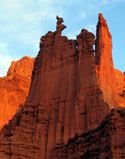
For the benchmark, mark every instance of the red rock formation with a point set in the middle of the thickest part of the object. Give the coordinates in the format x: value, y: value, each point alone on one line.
x: 66, y: 101
x: 120, y: 81
x: 14, y: 88
x: 60, y: 26
x: 105, y: 68
x: 68, y: 107
x: 107, y: 141
x: 110, y: 81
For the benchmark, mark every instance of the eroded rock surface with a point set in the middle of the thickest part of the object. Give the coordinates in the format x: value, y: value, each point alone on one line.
x: 14, y: 88
x: 120, y: 82
x: 107, y: 141
x: 104, y: 61
x: 63, y: 115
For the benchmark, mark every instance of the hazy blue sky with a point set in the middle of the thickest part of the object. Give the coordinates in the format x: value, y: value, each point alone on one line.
x: 23, y: 22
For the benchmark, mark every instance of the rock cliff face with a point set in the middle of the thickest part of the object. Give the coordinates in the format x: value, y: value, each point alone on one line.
x: 68, y: 99
x: 120, y: 82
x: 105, y: 68
x: 107, y: 141
x: 14, y: 88
x: 110, y: 80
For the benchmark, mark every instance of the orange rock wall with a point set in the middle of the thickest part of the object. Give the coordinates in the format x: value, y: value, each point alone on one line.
x: 105, y: 68
x: 14, y: 88
x: 120, y: 82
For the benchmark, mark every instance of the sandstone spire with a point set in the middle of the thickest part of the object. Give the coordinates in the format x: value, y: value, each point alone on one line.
x: 62, y: 114
x: 104, y: 62
x: 103, y: 41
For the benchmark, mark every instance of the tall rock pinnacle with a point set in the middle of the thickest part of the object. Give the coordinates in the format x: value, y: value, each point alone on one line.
x: 63, y: 116
x: 104, y: 61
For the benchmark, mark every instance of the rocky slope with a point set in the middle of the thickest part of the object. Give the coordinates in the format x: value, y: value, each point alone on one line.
x: 67, y: 113
x: 14, y: 88
x: 107, y: 141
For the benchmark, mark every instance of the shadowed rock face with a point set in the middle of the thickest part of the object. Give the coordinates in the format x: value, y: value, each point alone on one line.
x: 67, y: 98
x: 107, y: 141
x: 14, y: 88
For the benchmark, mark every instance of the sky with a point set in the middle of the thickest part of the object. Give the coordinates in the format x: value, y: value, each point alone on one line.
x: 23, y: 22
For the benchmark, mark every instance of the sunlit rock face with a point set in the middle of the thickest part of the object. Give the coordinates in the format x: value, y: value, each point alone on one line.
x: 67, y: 112
x: 14, y: 88
x: 120, y: 82
x: 110, y: 80
x: 104, y: 61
